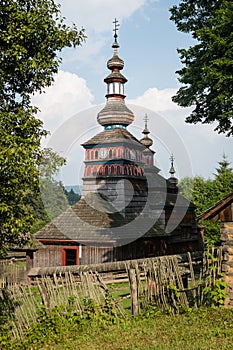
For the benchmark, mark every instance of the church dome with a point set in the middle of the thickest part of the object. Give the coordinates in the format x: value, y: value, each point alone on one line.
x: 146, y: 141
x: 115, y: 113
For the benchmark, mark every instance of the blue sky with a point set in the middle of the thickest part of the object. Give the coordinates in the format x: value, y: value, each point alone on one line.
x: 148, y: 42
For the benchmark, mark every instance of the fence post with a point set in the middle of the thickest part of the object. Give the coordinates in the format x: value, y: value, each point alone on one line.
x: 134, y: 292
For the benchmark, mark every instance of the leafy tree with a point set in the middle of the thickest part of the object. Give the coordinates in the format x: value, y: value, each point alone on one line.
x: 205, y: 193
x: 32, y: 32
x: 49, y: 200
x: 199, y: 191
x: 207, y: 74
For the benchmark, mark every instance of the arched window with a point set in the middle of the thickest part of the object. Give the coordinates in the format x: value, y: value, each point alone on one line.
x: 92, y: 154
x: 112, y: 170
x: 96, y: 154
x: 110, y: 154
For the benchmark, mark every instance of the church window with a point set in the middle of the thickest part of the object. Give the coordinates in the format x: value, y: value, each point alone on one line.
x: 121, y: 86
x: 110, y: 87
x: 96, y: 154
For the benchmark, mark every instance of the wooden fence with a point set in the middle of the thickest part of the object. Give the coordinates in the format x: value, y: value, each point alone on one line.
x: 169, y: 282
x: 12, y: 271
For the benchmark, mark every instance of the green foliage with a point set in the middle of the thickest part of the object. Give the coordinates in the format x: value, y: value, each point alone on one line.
x: 215, y: 294
x: 205, y: 328
x: 206, y: 193
x: 20, y: 135
x: 32, y: 32
x: 49, y: 200
x: 207, y: 74
x: 211, y: 233
x: 72, y: 196
x: 52, y: 326
x: 103, y: 315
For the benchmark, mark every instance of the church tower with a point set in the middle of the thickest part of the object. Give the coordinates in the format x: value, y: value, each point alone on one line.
x: 114, y: 158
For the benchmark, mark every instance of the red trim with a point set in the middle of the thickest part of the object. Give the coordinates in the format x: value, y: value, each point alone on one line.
x: 70, y: 241
x: 58, y: 240
x: 63, y: 252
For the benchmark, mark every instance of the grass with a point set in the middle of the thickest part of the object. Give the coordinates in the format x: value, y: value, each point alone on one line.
x: 203, y: 329
x: 120, y: 292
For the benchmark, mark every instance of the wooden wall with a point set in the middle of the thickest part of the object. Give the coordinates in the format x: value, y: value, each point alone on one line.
x: 49, y: 255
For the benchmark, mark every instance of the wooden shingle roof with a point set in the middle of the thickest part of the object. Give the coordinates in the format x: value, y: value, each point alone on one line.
x: 113, y: 136
x: 222, y: 210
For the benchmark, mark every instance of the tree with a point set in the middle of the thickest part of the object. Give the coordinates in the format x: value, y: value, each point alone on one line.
x: 32, y: 32
x: 205, y: 193
x: 223, y: 179
x: 207, y: 76
x: 49, y: 200
x: 72, y: 196
x: 199, y: 191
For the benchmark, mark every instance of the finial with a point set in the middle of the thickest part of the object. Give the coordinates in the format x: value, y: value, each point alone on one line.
x: 172, y: 169
x: 116, y: 28
x: 146, y: 141
x: 146, y: 120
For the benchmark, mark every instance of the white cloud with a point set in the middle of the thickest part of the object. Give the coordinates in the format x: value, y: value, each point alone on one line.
x: 157, y: 100
x: 68, y: 95
x: 204, y: 145
x: 97, y: 15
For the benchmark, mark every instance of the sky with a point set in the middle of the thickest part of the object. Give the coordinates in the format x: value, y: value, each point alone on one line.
x: 148, y: 45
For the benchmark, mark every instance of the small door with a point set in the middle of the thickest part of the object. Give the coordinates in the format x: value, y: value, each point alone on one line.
x: 69, y: 256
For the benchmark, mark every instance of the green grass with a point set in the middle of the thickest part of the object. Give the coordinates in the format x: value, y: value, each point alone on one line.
x: 120, y: 292
x: 206, y: 328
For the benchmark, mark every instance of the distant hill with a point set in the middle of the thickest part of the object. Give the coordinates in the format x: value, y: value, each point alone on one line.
x: 76, y: 188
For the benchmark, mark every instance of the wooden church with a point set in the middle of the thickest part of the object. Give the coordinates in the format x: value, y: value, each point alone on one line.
x: 127, y: 209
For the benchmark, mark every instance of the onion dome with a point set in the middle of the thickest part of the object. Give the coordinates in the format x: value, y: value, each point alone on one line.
x: 115, y: 113
x: 172, y: 179
x: 146, y: 141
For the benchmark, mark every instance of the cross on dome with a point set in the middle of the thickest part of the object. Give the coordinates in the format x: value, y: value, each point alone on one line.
x: 146, y: 141
x: 172, y: 169
x: 146, y: 120
x: 116, y: 28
